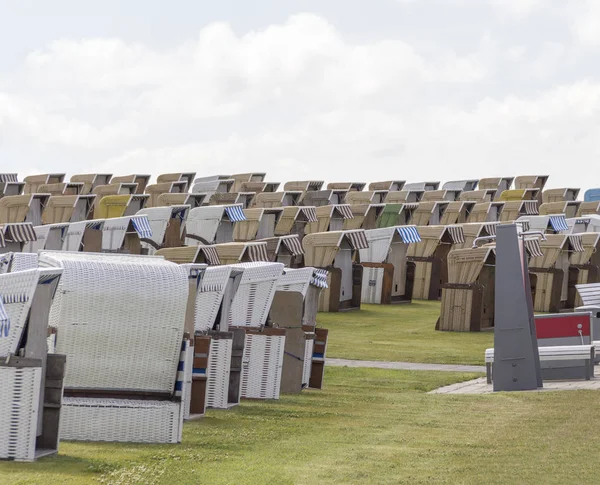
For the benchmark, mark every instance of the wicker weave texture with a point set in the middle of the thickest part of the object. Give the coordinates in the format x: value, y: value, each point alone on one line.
x: 85, y: 419
x: 19, y: 407
x: 119, y: 323
x: 252, y: 301
x: 219, y: 364
x: 209, y: 296
x: 261, y: 367
x: 17, y: 291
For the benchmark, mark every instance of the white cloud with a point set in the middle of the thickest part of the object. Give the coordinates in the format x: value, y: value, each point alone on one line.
x: 299, y: 99
x: 586, y: 21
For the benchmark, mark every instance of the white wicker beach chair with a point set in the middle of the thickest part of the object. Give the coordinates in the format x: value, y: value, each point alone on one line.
x: 21, y: 396
x: 159, y: 219
x: 120, y: 321
x: 49, y: 236
x: 210, y: 295
x: 253, y: 299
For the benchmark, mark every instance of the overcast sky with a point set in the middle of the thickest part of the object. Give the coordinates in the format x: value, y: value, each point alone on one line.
x: 336, y: 90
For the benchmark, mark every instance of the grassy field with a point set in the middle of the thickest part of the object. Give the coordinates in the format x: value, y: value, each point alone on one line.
x: 402, y: 333
x: 369, y: 426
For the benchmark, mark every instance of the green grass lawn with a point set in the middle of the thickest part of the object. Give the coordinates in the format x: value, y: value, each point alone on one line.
x: 402, y: 333
x: 369, y: 426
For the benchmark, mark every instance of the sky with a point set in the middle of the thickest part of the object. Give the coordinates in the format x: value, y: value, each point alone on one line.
x: 334, y: 90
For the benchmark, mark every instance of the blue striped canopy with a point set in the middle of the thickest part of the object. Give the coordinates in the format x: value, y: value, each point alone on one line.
x: 142, y: 226
x: 235, y: 213
x: 409, y: 234
x: 559, y: 223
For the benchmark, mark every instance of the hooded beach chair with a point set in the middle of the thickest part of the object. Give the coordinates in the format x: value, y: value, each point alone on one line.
x: 330, y: 218
x: 167, y: 225
x: 63, y: 188
x: 285, y: 249
x: 429, y: 213
x: 498, y: 184
x: 91, y: 181
x: 517, y: 203
x: 388, y: 185
x: 278, y: 199
x: 486, y: 212
x: 366, y: 197
x: 430, y: 256
x: 404, y: 196
x: 317, y: 198
x: 264, y: 347
x: 259, y: 224
x: 193, y: 200
x: 482, y: 195
x: 242, y: 178
x: 304, y: 185
x: 259, y: 187
x: 461, y: 185
x: 155, y: 190
x: 293, y: 220
x: 456, y: 213
x: 191, y: 254
x: 113, y: 393
x: 212, y: 224
x: 441, y: 195
x: 14, y: 237
x: 422, y: 186
x: 559, y: 195
x: 365, y: 216
x: 68, y: 208
x: 336, y: 252
x: 188, y: 178
x: 551, y: 271
x: 396, y: 215
x: 33, y: 182
x: 48, y: 236
x: 532, y: 182
x: 31, y: 381
x: 115, y: 189
x: 387, y: 275
x: 473, y: 230
x: 23, y: 208
x: 585, y: 267
x: 112, y: 206
x: 242, y: 252
x: 468, y: 296
x: 212, y: 185
x: 349, y: 186
x: 140, y: 179
x: 568, y: 208
x: 230, y: 198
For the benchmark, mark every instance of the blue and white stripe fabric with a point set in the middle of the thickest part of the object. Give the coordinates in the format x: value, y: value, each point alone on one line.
x: 319, y: 278
x: 235, y: 213
x: 141, y: 224
x: 409, y: 234
x: 4, y: 321
x: 180, y: 382
x: 559, y: 223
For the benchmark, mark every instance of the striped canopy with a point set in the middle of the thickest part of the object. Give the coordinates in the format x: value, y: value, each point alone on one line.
x: 141, y: 224
x: 409, y: 234
x: 235, y: 213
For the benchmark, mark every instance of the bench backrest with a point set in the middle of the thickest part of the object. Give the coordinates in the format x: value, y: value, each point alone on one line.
x: 564, y: 329
x: 589, y: 293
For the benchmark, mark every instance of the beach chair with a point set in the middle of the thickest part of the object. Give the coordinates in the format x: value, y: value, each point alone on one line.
x: 121, y: 381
